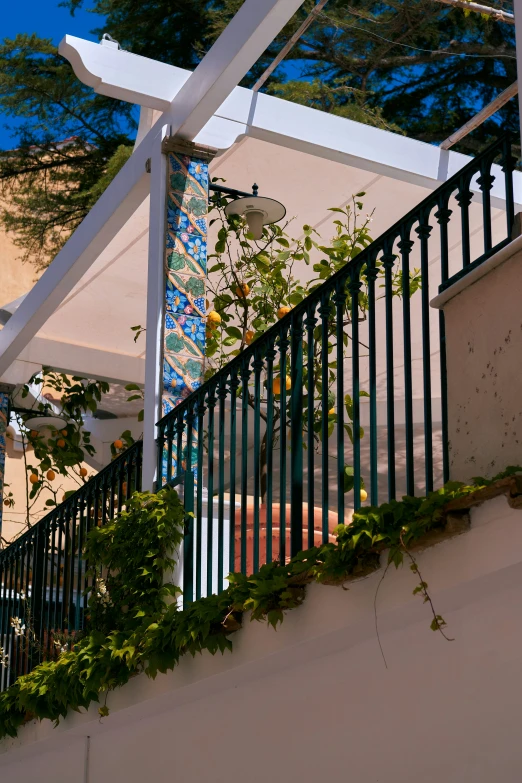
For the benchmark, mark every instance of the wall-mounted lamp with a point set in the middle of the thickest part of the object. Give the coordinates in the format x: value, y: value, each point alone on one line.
x: 258, y: 211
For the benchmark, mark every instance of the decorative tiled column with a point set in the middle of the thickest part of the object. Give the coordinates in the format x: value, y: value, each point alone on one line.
x: 5, y: 392
x: 186, y: 269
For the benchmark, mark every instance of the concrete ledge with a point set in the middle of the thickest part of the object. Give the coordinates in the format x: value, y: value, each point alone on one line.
x: 476, y: 274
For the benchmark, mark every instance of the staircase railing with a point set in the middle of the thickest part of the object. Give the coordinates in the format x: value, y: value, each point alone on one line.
x: 43, y: 581
x: 342, y: 401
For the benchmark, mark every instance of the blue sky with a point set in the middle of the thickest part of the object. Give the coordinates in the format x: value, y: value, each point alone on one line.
x: 46, y: 19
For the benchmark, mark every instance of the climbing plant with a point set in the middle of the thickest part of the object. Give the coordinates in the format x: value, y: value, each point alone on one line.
x: 52, y: 454
x: 135, y: 625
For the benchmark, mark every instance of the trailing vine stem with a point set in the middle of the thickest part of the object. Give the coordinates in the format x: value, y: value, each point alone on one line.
x: 381, y: 580
x: 438, y: 623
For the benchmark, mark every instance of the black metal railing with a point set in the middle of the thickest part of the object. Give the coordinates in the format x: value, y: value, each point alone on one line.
x: 43, y: 581
x: 338, y: 403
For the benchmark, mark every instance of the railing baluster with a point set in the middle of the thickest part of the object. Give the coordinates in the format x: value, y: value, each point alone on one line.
x: 423, y: 230
x: 234, y: 385
x: 371, y: 272
x: 405, y: 245
x: 10, y: 612
x: 339, y: 299
x: 72, y: 559
x: 58, y: 624
x: 245, y: 375
x: 179, y: 429
x: 508, y: 166
x: 199, y: 492
x: 33, y: 580
x: 464, y: 197
x: 188, y: 502
x: 311, y: 323
x: 222, y: 395
x: 442, y: 216
x: 268, y: 489
x: 79, y: 609
x: 36, y: 584
x: 211, y: 404
x: 257, y: 366
x: 388, y: 261
x: 354, y: 286
x: 485, y: 183
x: 16, y: 609
x: 296, y: 436
x: 51, y: 622
x: 283, y: 348
x: 325, y: 309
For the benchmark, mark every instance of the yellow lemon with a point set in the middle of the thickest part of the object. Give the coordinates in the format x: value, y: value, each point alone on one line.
x: 249, y: 336
x: 283, y: 311
x: 243, y: 290
x: 33, y: 478
x: 60, y: 443
x: 118, y: 444
x: 213, y: 319
x: 364, y: 495
x: 331, y: 411
x: 83, y: 472
x: 276, y: 385
x: 51, y: 475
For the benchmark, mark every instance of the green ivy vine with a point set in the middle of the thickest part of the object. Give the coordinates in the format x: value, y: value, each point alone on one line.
x: 135, y: 625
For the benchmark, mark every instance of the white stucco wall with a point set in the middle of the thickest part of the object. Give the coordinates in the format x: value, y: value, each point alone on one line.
x: 483, y: 316
x: 315, y: 701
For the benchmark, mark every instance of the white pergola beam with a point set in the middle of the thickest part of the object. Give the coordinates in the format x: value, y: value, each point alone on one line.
x: 86, y: 361
x: 272, y: 119
x: 123, y: 75
x: 74, y: 359
x: 237, y: 49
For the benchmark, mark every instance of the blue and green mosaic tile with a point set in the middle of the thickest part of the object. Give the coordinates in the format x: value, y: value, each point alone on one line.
x: 187, y: 175
x: 187, y: 214
x: 185, y: 295
x: 189, y: 250
x: 185, y: 335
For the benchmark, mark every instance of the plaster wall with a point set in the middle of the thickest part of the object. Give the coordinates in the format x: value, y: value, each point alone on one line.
x: 484, y: 349
x: 315, y: 700
x: 17, y: 278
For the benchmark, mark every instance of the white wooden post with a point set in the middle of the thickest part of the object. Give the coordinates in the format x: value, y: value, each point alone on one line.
x: 155, y: 306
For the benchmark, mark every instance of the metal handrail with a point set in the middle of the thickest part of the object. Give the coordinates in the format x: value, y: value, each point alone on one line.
x: 288, y: 345
x: 47, y: 565
x: 435, y: 200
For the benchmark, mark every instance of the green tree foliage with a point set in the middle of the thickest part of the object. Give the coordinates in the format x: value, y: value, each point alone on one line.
x: 412, y: 66
x: 71, y: 143
x: 415, y: 64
